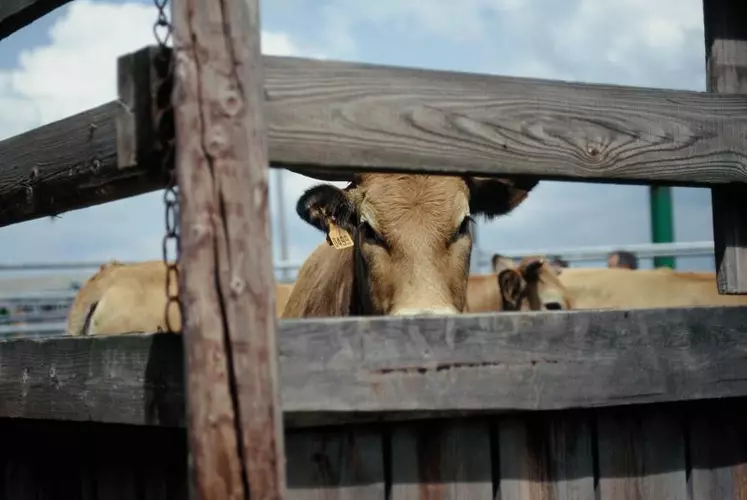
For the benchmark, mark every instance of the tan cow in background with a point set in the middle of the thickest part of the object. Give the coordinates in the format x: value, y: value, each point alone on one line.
x: 619, y: 288
x: 531, y: 285
x: 131, y: 298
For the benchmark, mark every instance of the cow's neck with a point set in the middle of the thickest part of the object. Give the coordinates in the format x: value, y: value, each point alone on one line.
x: 360, y: 298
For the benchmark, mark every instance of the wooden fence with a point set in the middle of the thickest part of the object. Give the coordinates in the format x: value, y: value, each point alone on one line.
x: 642, y: 404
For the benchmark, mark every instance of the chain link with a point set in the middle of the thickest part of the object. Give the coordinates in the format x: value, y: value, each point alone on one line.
x: 163, y: 64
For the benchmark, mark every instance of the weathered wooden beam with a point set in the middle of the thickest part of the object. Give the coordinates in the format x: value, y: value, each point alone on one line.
x: 339, y: 115
x: 345, y: 370
x: 100, y: 155
x: 726, y: 66
x: 330, y: 117
x: 326, y: 116
x: 227, y: 286
x: 16, y: 14
x: 67, y: 165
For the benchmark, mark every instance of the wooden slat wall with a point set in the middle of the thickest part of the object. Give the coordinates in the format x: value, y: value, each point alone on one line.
x: 438, y: 460
x: 694, y: 451
x: 340, y: 464
x: 546, y: 458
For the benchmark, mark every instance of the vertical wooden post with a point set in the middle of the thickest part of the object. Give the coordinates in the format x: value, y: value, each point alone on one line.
x: 726, y: 66
x: 227, y: 283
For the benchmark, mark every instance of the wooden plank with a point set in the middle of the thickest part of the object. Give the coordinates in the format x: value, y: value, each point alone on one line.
x: 226, y: 286
x: 726, y: 65
x: 351, y: 115
x: 718, y: 450
x: 546, y: 456
x: 641, y: 454
x: 339, y: 464
x: 136, y: 116
x: 441, y: 460
x: 67, y: 165
x: 353, y: 370
x: 16, y: 14
x: 327, y: 116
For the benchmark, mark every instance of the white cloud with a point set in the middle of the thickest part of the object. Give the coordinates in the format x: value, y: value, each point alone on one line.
x: 74, y: 71
x: 77, y: 69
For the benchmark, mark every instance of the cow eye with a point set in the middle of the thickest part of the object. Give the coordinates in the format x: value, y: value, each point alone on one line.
x: 370, y: 235
x: 464, y: 228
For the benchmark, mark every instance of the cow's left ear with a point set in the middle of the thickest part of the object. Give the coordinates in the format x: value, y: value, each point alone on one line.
x: 325, y: 203
x: 493, y: 197
x: 511, y: 286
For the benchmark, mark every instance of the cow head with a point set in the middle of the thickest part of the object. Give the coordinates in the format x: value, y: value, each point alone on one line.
x: 411, y: 235
x: 531, y: 285
x: 544, y: 289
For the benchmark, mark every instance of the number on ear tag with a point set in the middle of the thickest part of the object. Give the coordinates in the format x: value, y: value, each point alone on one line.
x: 339, y: 237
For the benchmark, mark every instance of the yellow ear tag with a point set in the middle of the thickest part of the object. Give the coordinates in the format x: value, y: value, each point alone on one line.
x: 339, y: 237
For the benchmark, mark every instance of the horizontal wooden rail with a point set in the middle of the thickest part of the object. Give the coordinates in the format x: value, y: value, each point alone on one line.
x: 66, y: 165
x: 335, y: 370
x: 16, y: 14
x: 327, y: 116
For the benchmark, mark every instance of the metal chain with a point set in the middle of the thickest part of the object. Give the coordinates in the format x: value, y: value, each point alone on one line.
x: 163, y: 64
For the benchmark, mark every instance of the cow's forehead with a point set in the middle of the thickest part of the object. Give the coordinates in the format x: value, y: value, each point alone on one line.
x: 389, y: 201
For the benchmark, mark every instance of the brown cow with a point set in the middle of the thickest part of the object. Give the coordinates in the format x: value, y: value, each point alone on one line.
x: 405, y: 244
x: 131, y: 298
x: 532, y: 285
x: 620, y: 288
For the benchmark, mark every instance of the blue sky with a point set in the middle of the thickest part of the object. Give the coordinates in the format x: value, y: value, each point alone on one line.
x: 65, y: 63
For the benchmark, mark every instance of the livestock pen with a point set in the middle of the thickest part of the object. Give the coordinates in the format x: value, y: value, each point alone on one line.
x: 546, y: 405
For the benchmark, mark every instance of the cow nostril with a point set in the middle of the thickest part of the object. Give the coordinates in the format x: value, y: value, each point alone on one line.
x: 553, y: 306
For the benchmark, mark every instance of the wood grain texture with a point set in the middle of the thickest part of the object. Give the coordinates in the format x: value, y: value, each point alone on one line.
x: 16, y: 14
x: 726, y: 66
x: 353, y: 370
x: 227, y: 286
x: 441, y: 460
x: 346, y: 463
x: 641, y: 454
x: 343, y: 115
x: 718, y: 450
x: 67, y: 165
x: 546, y: 456
x: 137, y: 111
x: 327, y: 116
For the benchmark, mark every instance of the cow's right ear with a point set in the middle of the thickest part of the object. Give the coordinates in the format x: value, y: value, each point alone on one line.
x: 511, y: 286
x: 325, y: 203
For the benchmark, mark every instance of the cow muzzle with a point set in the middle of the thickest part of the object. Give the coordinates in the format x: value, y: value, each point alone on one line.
x: 428, y: 311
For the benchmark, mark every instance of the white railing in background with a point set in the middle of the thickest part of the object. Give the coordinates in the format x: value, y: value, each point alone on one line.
x: 44, y: 312
x: 571, y: 254
x: 581, y: 254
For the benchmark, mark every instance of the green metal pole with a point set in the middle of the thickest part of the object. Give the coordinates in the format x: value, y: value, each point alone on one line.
x: 662, y: 221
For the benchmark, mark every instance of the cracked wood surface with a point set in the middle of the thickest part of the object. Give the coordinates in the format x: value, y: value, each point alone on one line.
x: 234, y: 417
x: 329, y: 115
x: 726, y: 65
x: 355, y: 370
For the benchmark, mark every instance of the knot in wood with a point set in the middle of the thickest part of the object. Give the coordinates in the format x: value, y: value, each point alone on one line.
x: 217, y: 141
x: 237, y: 285
x: 232, y: 102
x: 592, y: 151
